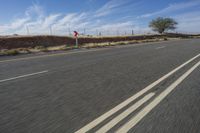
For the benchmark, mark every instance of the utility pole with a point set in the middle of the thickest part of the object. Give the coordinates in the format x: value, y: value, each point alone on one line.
x: 27, y: 30
x: 108, y: 33
x: 50, y: 29
x: 69, y: 29
x: 117, y: 32
x: 97, y: 32
x: 84, y: 31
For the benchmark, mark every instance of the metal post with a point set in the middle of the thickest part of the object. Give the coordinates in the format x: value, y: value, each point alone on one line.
x: 76, y: 42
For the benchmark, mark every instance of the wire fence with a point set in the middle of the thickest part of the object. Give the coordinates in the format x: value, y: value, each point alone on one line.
x: 88, y: 32
x: 27, y: 30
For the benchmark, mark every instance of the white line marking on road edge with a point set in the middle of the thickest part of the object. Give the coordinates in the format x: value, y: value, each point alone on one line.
x: 126, y: 127
x: 129, y: 100
x: 160, y: 47
x: 23, y: 76
x: 123, y: 115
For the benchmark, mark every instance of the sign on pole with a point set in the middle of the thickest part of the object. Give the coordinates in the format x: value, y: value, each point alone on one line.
x: 76, y: 36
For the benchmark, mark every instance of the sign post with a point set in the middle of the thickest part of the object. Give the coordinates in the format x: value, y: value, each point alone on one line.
x: 76, y: 36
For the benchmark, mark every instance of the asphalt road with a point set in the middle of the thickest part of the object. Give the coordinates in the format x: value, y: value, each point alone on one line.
x: 149, y: 88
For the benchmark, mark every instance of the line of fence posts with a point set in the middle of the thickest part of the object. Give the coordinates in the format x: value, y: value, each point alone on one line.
x: 89, y: 32
x: 107, y: 32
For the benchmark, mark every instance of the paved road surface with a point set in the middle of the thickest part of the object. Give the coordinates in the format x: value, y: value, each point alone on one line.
x: 149, y: 88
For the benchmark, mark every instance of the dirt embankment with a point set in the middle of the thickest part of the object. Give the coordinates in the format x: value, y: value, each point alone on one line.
x: 14, y: 42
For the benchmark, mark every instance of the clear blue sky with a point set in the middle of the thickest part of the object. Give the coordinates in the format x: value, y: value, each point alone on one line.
x: 93, y: 15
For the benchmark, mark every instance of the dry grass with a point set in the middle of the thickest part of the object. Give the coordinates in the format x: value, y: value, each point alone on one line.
x: 95, y: 45
x: 9, y: 52
x: 64, y: 47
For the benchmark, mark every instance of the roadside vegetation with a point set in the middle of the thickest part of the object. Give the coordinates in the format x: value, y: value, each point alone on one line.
x: 9, y: 52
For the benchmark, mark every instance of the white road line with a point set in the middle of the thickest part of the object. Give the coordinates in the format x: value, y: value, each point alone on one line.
x: 125, y: 128
x: 129, y: 100
x: 123, y: 115
x: 23, y: 76
x: 160, y: 47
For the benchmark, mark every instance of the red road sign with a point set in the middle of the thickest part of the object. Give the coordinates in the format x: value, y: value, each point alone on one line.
x: 75, y: 33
